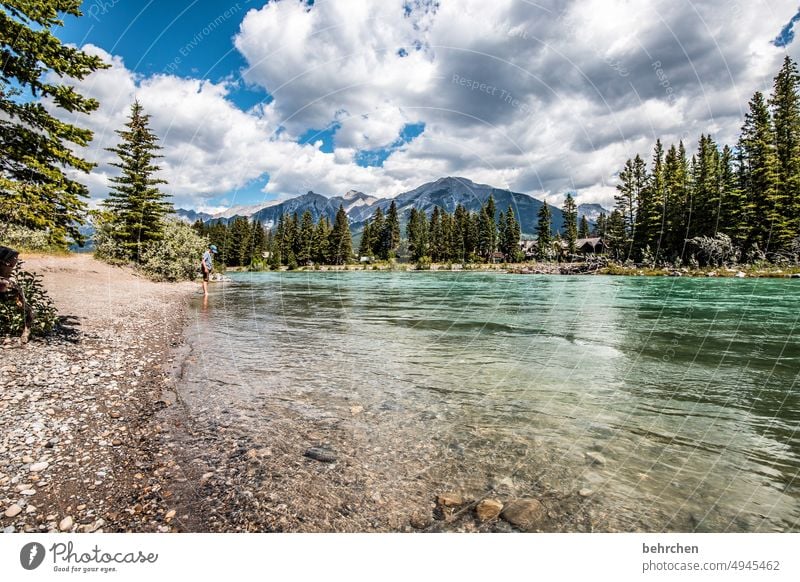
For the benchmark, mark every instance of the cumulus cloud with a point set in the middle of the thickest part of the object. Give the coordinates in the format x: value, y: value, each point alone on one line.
x: 538, y: 97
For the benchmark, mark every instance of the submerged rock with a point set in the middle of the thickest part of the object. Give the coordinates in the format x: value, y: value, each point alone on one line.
x: 321, y: 454
x: 526, y: 514
x: 595, y: 458
x: 488, y: 509
x: 450, y: 499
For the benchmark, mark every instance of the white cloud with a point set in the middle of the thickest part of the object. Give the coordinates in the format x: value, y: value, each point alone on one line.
x: 559, y: 93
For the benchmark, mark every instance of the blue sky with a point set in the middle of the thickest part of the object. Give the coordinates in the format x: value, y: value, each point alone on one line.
x: 255, y: 101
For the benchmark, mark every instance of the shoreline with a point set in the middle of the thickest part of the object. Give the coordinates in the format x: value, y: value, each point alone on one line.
x: 78, y: 452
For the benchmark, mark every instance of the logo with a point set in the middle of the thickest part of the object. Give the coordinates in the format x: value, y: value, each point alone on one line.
x: 31, y: 556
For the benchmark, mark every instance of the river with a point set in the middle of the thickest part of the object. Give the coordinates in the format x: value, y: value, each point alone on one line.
x: 673, y: 404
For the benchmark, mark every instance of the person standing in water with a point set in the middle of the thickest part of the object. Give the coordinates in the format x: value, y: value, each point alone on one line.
x: 207, y: 265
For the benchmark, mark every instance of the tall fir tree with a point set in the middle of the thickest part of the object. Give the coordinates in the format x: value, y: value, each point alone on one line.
x: 785, y: 105
x: 391, y: 234
x: 341, y: 241
x: 570, y: 212
x: 630, y: 191
x: 486, y: 234
x: 544, y: 236
x: 321, y: 243
x: 583, y: 227
x: 305, y: 253
x: 135, y: 203
x: 759, y: 156
x: 378, y: 234
x: 37, y: 153
x: 365, y: 245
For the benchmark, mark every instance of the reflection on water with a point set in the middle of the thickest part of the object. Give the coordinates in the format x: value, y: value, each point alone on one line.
x: 687, y: 387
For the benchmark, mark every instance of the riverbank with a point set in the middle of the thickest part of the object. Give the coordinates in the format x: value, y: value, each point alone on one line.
x: 577, y: 268
x: 78, y: 447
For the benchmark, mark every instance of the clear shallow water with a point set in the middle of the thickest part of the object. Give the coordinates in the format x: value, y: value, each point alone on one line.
x: 687, y: 387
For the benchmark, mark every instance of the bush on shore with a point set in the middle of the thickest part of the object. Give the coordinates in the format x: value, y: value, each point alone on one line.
x: 12, y: 319
x: 28, y: 239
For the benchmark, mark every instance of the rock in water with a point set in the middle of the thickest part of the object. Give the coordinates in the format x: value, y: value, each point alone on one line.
x: 488, y: 509
x: 595, y: 458
x: 526, y: 514
x: 321, y: 454
x: 450, y: 499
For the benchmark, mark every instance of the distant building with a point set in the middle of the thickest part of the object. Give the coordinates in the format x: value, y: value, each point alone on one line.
x: 528, y: 248
x: 590, y: 246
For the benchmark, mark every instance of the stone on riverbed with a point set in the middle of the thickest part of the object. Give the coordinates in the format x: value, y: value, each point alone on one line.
x: 526, y: 514
x: 321, y: 454
x: 66, y: 524
x: 595, y: 458
x: 38, y: 467
x: 450, y: 499
x: 488, y: 509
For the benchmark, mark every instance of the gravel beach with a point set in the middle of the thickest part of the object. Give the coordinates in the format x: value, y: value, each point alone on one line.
x: 76, y: 447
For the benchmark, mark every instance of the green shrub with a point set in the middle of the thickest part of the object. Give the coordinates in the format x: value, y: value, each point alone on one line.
x: 20, y: 237
x: 106, y: 241
x: 12, y: 319
x: 423, y: 264
x: 176, y: 257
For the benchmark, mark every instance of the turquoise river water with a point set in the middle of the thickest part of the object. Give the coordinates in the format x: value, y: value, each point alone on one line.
x: 688, y: 388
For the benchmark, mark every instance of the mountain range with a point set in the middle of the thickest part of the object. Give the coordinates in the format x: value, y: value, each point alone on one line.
x: 446, y: 193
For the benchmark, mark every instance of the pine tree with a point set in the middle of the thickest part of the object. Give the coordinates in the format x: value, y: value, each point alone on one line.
x: 583, y: 227
x: 653, y: 207
x: 135, y: 203
x: 785, y: 105
x: 491, y: 212
x: 734, y: 210
x: 705, y: 189
x: 378, y: 234
x: 259, y: 239
x: 239, y: 243
x: 36, y: 185
x: 365, y: 246
x: 486, y: 234
x: 509, y: 236
x: 305, y: 252
x: 632, y: 183
x: 460, y: 233
x: 321, y: 245
x: 760, y: 159
x: 617, y: 237
x: 570, y: 211
x: 417, y: 230
x: 543, y: 234
x: 341, y: 241
x: 600, y: 225
x: 391, y: 234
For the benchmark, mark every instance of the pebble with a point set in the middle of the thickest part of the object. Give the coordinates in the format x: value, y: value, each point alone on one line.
x: 526, y: 514
x: 595, y: 458
x: 488, y: 509
x: 13, y: 511
x: 66, y: 524
x: 585, y: 492
x: 450, y: 499
x: 170, y: 514
x: 28, y: 492
x: 38, y: 467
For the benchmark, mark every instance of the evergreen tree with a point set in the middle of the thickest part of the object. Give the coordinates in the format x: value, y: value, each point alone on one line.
x: 259, y: 241
x: 378, y: 234
x: 293, y: 227
x: 36, y: 190
x: 600, y: 226
x: 391, y: 236
x: 705, y: 189
x: 365, y: 246
x: 321, y: 243
x: 760, y: 159
x: 632, y: 183
x: 785, y: 105
x: 491, y: 212
x: 341, y: 241
x: 509, y: 236
x: 305, y: 252
x: 570, y: 211
x: 239, y: 243
x: 486, y: 234
x: 543, y: 234
x: 417, y: 230
x: 734, y: 209
x: 617, y: 237
x: 460, y: 233
x: 135, y: 203
x: 436, y: 236
x: 583, y: 228
x: 653, y: 207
